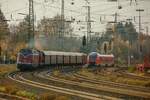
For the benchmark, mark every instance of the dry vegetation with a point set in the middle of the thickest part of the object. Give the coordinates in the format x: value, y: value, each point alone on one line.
x: 52, y: 96
x: 114, y: 78
x: 7, y: 68
x: 14, y: 90
x: 8, y: 87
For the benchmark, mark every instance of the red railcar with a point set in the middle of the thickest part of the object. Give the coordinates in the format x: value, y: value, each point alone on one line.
x: 97, y: 59
x: 147, y: 61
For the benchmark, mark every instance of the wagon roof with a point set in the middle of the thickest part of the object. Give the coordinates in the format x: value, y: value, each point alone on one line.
x: 63, y: 53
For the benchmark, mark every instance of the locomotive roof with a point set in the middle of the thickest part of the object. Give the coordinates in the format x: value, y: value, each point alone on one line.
x: 63, y: 53
x: 110, y: 55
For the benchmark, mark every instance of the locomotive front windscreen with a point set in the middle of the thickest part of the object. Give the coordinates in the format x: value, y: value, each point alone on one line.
x: 92, y: 57
x: 25, y: 56
x: 25, y: 51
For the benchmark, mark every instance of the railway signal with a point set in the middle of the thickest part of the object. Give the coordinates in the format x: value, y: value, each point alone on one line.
x: 105, y: 48
x: 141, y: 49
x: 0, y: 50
x: 110, y: 44
x: 84, y: 40
x: 0, y: 53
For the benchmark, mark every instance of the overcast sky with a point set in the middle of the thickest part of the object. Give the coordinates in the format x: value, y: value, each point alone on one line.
x: 99, y: 8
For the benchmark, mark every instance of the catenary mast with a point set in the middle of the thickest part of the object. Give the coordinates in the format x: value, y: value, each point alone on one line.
x: 31, y: 25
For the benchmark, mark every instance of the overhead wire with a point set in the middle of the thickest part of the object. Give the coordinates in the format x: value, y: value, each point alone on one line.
x: 16, y: 10
x: 72, y: 11
x: 75, y: 11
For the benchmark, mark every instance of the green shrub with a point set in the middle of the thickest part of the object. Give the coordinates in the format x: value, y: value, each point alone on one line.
x: 131, y: 69
x: 56, y: 73
x: 120, y: 61
x: 26, y: 94
x: 2, y: 89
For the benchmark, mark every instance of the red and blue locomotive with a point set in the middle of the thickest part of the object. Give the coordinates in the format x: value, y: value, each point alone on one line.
x: 29, y: 59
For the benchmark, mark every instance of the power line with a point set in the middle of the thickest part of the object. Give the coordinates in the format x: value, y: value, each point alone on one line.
x: 16, y: 10
x: 59, y: 8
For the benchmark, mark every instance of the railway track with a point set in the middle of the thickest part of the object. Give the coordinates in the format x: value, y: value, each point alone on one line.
x: 19, y: 77
x: 124, y: 91
x: 101, y: 85
x: 113, y: 84
x: 126, y: 74
x: 123, y: 72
